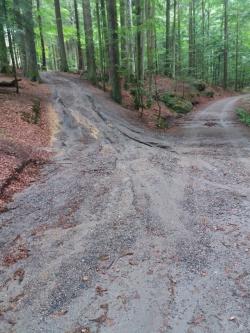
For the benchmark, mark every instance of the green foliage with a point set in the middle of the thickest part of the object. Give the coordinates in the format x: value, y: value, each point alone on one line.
x: 162, y: 122
x: 138, y: 93
x: 208, y: 93
x: 243, y: 115
x: 199, y: 85
x: 176, y: 103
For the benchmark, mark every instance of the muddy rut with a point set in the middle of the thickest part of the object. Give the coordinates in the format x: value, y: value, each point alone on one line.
x: 131, y: 230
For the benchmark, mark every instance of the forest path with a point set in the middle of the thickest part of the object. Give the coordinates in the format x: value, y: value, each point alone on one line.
x: 131, y: 230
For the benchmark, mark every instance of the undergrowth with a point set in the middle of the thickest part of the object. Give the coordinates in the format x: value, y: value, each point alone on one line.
x: 243, y: 115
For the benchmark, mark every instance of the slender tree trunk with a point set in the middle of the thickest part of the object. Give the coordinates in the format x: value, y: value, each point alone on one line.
x: 78, y: 36
x: 168, y: 39
x: 237, y: 52
x: 20, y: 34
x: 105, y: 36
x: 39, y: 19
x: 101, y: 50
x: 114, y: 50
x: 4, y: 64
x: 123, y: 39
x: 139, y: 41
x: 191, y: 38
x: 90, y: 49
x: 150, y: 12
x: 225, y: 51
x: 203, y: 40
x: 179, y: 48
x: 30, y: 48
x: 63, y: 59
x: 10, y: 44
x: 174, y: 43
x: 130, y: 51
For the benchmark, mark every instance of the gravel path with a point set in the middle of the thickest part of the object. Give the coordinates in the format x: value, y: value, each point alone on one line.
x: 131, y: 230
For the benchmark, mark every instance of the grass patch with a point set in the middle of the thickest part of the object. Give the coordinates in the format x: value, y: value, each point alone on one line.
x: 243, y: 115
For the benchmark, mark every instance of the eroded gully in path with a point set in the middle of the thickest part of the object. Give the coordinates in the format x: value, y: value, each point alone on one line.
x: 130, y: 230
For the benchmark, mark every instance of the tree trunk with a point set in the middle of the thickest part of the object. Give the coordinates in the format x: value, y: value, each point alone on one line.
x: 139, y: 41
x: 4, y: 64
x: 101, y: 50
x: 174, y: 42
x: 150, y: 12
x: 78, y: 36
x: 123, y: 39
x: 130, y: 51
x: 10, y: 45
x: 236, y: 85
x: 30, y: 48
x: 168, y: 39
x: 225, y: 51
x: 20, y: 34
x: 191, y: 46
x: 114, y: 50
x: 63, y: 58
x: 90, y: 49
x: 39, y: 19
x: 105, y: 36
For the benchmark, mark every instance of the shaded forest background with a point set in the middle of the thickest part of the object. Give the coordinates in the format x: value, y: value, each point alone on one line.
x: 126, y: 43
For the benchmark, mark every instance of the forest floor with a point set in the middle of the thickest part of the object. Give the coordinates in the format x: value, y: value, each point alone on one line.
x: 24, y: 133
x: 182, y: 89
x: 131, y: 229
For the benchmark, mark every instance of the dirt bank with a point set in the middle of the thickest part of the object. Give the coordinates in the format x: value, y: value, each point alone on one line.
x: 24, y: 134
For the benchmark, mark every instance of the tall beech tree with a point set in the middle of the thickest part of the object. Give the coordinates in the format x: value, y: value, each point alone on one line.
x: 4, y: 63
x: 30, y: 47
x: 39, y: 19
x: 90, y: 48
x: 63, y: 59
x: 78, y: 36
x: 114, y: 51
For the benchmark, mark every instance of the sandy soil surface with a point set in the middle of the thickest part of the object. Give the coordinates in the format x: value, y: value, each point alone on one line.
x: 131, y: 230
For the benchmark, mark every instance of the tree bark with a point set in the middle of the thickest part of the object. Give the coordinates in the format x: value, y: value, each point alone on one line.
x: 10, y: 45
x: 63, y: 59
x: 90, y: 49
x: 139, y: 10
x: 225, y: 51
x: 39, y: 19
x: 123, y: 39
x: 114, y: 50
x: 20, y: 34
x: 4, y: 64
x: 78, y: 36
x: 130, y: 50
x: 150, y: 12
x: 30, y: 48
x: 168, y: 39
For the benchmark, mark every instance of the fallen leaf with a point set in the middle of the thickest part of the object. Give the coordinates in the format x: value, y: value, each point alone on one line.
x: 59, y: 313
x: 85, y: 278
x: 104, y: 257
x: 100, y: 291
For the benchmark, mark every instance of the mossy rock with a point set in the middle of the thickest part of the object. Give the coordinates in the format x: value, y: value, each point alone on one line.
x: 199, y: 85
x: 177, y: 104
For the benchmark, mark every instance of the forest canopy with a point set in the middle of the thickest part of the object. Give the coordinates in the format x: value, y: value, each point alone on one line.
x: 123, y: 42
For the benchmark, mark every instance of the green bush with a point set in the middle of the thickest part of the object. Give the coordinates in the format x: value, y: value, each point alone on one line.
x: 244, y: 116
x: 209, y: 93
x: 199, y: 85
x: 162, y: 123
x: 178, y: 104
